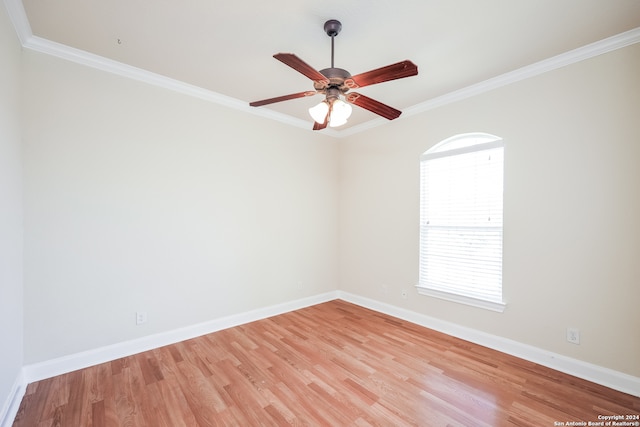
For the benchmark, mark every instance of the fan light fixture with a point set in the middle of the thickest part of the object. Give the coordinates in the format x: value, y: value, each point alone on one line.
x: 319, y: 112
x: 340, y: 112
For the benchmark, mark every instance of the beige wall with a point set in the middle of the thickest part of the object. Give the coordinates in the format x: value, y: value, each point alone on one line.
x: 572, y: 203
x: 10, y: 211
x: 138, y: 198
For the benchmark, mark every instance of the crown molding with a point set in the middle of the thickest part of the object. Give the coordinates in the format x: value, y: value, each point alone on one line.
x: 78, y: 56
x: 571, y: 57
x: 19, y: 19
x: 562, y: 60
x: 88, y: 59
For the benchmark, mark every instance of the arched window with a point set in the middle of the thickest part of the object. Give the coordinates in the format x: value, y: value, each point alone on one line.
x: 461, y: 186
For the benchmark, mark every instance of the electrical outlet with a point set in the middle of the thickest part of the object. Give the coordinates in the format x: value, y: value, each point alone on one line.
x: 404, y: 294
x: 141, y: 317
x: 573, y: 335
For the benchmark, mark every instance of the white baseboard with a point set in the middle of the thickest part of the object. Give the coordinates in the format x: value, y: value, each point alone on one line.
x: 596, y: 374
x: 73, y: 362
x: 12, y: 404
x: 38, y: 371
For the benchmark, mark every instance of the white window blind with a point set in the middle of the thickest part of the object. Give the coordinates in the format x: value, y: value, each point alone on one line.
x: 461, y: 221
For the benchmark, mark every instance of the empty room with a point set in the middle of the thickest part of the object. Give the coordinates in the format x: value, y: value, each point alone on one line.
x: 345, y: 213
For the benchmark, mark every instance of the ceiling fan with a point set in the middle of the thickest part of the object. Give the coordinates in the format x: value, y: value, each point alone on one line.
x: 334, y: 83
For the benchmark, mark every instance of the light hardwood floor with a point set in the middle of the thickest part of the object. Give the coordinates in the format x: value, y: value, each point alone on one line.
x: 333, y: 364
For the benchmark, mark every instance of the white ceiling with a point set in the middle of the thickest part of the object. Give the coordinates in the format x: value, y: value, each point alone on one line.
x: 226, y: 47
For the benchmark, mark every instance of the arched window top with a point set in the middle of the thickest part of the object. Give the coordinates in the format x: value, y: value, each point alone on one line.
x: 461, y: 142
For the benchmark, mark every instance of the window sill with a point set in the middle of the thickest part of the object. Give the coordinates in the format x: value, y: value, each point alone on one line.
x: 474, y: 302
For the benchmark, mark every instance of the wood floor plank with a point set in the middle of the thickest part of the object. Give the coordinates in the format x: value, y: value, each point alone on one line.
x: 98, y: 414
x: 332, y: 364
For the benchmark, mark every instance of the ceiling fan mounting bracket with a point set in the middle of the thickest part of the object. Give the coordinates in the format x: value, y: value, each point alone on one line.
x: 332, y: 27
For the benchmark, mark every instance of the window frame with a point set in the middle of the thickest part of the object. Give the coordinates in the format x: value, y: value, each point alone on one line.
x: 458, y: 146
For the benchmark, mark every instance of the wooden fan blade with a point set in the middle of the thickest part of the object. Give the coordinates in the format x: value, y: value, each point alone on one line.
x: 374, y: 106
x: 300, y: 66
x: 320, y: 126
x: 384, y: 74
x: 282, y: 98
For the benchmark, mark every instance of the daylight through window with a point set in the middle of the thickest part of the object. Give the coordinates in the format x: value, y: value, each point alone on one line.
x: 461, y: 187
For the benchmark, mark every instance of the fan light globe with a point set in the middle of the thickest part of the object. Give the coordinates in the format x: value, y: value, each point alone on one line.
x: 340, y: 112
x: 319, y: 112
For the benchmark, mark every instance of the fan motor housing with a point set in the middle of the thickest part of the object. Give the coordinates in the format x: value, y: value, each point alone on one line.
x: 337, y: 78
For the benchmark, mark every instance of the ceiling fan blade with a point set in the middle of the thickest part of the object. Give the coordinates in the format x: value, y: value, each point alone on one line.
x: 374, y: 106
x: 320, y: 126
x: 300, y: 66
x: 282, y: 98
x: 396, y: 71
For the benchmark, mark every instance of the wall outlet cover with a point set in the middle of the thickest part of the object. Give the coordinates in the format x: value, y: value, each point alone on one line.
x: 141, y: 317
x: 573, y: 335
